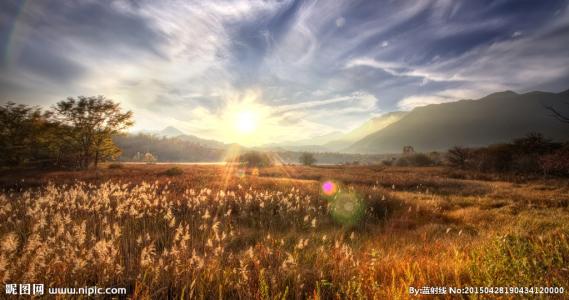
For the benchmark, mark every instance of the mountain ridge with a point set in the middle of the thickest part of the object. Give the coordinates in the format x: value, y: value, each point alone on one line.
x: 497, y: 117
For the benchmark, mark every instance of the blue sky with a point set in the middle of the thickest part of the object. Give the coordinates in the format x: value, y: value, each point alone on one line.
x: 304, y: 68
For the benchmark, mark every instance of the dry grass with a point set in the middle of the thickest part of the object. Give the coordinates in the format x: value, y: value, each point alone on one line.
x: 214, y: 232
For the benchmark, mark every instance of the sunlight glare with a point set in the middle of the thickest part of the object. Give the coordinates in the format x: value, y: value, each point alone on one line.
x: 246, y: 122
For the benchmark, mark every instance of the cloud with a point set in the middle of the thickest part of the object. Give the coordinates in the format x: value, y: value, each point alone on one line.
x: 397, y: 69
x: 311, y: 67
x: 409, y: 103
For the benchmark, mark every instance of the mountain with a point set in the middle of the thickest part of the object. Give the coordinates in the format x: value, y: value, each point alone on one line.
x: 318, y: 140
x: 170, y: 131
x: 291, y: 147
x: 337, y: 140
x: 173, y: 132
x: 369, y: 127
x: 165, y: 149
x: 311, y: 145
x: 496, y: 118
x: 203, y: 142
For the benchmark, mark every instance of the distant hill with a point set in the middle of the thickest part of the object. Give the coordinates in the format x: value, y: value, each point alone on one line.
x: 173, y: 132
x: 165, y: 149
x: 496, y: 118
x: 314, y: 144
x: 170, y: 131
x: 369, y: 127
x: 174, y: 149
x: 337, y: 140
x: 203, y: 142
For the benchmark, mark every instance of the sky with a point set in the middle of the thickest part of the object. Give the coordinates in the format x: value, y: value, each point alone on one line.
x: 259, y: 72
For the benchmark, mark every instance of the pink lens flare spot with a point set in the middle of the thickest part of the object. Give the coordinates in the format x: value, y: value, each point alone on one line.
x: 328, y: 188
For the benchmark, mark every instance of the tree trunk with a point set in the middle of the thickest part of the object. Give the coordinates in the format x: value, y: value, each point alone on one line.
x: 96, y: 158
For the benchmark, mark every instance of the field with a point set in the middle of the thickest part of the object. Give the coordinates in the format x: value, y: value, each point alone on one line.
x: 276, y: 233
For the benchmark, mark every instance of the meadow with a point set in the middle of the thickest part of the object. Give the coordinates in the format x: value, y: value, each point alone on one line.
x: 283, y: 232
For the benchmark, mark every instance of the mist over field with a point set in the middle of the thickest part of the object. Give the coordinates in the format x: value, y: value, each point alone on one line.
x: 284, y: 149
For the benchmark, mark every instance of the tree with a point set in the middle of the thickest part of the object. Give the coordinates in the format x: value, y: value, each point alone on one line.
x: 307, y: 159
x: 26, y: 135
x: 255, y: 159
x: 408, y: 150
x: 458, y: 156
x: 533, y: 143
x: 91, y: 122
x: 149, y: 158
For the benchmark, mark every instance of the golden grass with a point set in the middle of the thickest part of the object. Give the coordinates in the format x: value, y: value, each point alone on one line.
x: 213, y: 233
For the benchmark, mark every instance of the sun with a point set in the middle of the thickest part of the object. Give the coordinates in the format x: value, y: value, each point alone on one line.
x: 246, y: 122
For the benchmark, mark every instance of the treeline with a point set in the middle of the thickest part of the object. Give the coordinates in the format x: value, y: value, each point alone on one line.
x: 135, y: 147
x: 178, y: 149
x: 531, y: 154
x: 334, y: 158
x: 74, y: 133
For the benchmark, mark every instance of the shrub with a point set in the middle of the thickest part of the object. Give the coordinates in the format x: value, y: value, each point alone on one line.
x: 174, y: 171
x: 402, y: 162
x: 526, y: 163
x: 497, y: 158
x: 116, y: 166
x: 556, y: 162
x: 415, y: 160
x: 436, y: 158
x: 255, y: 159
x: 420, y: 160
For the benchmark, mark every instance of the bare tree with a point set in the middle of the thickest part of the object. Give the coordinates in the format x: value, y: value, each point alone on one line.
x: 458, y: 156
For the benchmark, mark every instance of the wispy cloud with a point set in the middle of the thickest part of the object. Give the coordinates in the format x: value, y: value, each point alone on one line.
x: 311, y: 66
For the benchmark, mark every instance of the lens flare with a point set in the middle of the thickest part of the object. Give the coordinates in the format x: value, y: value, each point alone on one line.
x: 240, y: 173
x: 347, y: 208
x: 329, y: 188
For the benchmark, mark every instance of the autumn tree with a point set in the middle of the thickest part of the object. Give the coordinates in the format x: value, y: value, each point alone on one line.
x: 90, y: 123
x: 26, y: 135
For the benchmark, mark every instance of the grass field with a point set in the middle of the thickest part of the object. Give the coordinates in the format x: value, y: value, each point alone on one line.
x: 226, y: 233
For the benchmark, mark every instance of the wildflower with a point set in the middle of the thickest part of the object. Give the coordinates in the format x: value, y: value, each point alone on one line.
x: 10, y: 242
x: 215, y: 227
